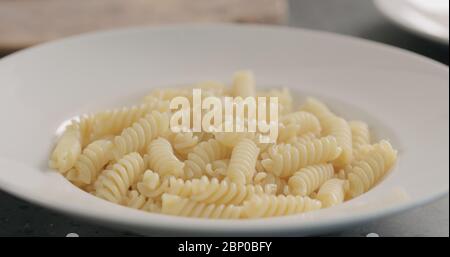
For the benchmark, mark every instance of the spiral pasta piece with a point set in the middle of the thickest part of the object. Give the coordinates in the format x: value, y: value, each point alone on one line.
x: 217, y: 169
x: 224, y: 192
x: 162, y: 159
x: 184, y: 143
x: 137, y: 201
x: 261, y: 206
x: 309, y: 179
x: 284, y: 160
x: 184, y: 188
x: 94, y: 157
x: 231, y: 139
x: 332, y: 192
x: 366, y: 173
x: 268, y: 180
x: 340, y: 129
x: 68, y: 149
x: 243, y: 84
x: 301, y: 123
x: 316, y: 107
x: 332, y: 125
x: 203, y: 154
x: 175, y: 205
x: 152, y: 185
x: 112, y: 122
x: 86, y: 127
x: 308, y: 137
x: 360, y: 137
x: 242, y: 162
x: 113, y: 184
x: 140, y: 134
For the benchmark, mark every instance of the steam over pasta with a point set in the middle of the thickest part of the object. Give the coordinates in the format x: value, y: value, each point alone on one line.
x: 132, y: 157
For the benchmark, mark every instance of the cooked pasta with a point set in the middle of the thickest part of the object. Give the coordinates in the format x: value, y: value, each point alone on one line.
x: 332, y: 125
x: 175, y: 205
x: 224, y: 192
x: 285, y: 159
x: 301, y: 123
x: 217, y: 169
x: 319, y: 109
x: 332, y: 192
x: 68, y: 149
x: 184, y: 143
x: 242, y: 162
x: 308, y: 137
x: 112, y: 122
x: 340, y: 129
x: 360, y: 137
x: 366, y: 173
x: 261, y: 206
x: 309, y: 179
x: 152, y: 185
x: 163, y: 160
x: 113, y: 184
x: 243, y: 84
x: 269, y: 180
x: 94, y: 157
x: 203, y: 154
x: 137, y: 201
x: 133, y: 157
x: 86, y: 127
x: 140, y: 134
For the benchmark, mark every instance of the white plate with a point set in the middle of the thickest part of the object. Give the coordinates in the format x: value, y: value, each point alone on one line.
x: 403, y: 96
x: 428, y: 18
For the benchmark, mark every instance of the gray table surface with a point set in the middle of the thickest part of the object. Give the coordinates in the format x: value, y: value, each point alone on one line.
x: 352, y: 17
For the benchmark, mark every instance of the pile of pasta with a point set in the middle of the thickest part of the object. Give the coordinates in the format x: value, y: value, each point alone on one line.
x: 130, y: 156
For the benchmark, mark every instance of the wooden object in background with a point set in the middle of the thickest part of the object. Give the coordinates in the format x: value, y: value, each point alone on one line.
x: 27, y: 22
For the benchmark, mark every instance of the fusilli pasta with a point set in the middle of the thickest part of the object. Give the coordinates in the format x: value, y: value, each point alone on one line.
x: 175, y: 205
x: 152, y: 185
x: 130, y: 156
x: 242, y: 162
x: 285, y: 159
x: 366, y: 173
x: 309, y: 179
x: 332, y: 192
x: 113, y: 184
x: 184, y: 143
x: 162, y: 159
x: 301, y: 123
x: 140, y: 134
x: 94, y: 157
x: 68, y: 149
x: 112, y: 122
x: 332, y: 126
x: 243, y: 84
x: 224, y: 192
x: 203, y: 154
x: 360, y: 136
x: 261, y: 206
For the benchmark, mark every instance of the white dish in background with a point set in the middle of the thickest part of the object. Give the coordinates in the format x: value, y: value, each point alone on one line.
x: 429, y: 18
x: 403, y: 96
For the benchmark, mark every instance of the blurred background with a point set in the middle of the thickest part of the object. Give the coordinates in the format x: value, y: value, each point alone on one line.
x: 420, y: 26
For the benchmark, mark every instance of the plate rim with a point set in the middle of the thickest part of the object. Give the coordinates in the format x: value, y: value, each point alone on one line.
x: 383, y: 7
